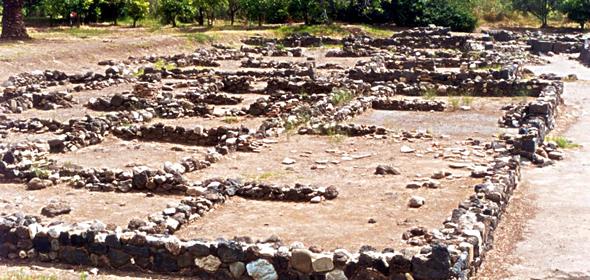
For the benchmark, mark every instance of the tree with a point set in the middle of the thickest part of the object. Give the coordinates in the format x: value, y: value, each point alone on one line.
x: 116, y: 8
x: 169, y: 10
x: 538, y: 8
x: 13, y: 25
x: 255, y: 10
x: 137, y: 9
x: 208, y: 8
x: 577, y: 11
x: 233, y: 7
x: 54, y: 9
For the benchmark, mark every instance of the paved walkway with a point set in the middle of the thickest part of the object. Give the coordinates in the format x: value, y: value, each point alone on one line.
x: 556, y: 242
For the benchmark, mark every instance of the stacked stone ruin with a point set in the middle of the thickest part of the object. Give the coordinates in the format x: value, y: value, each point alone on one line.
x: 295, y: 98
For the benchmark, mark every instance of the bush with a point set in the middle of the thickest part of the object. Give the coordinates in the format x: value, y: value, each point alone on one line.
x: 454, y: 14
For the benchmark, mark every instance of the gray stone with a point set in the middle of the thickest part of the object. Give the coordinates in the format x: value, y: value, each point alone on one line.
x: 323, y: 263
x: 435, y: 265
x: 38, y: 184
x: 209, y: 263
x: 261, y: 270
x: 414, y: 185
x: 118, y: 258
x: 336, y: 275
x: 417, y: 201
x: 56, y: 209
x: 237, y: 269
x: 301, y: 260
x: 385, y: 169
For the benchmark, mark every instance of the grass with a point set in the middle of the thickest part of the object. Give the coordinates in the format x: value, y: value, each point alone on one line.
x: 315, y: 30
x: 160, y: 63
x: 489, y: 67
x: 230, y: 120
x: 332, y: 46
x: 562, y: 142
x: 523, y: 94
x: 429, y: 94
x: 454, y: 103
x: 22, y: 275
x: 138, y: 73
x: 466, y: 100
x: 82, y: 31
x: 341, y: 96
x: 40, y: 172
x: 200, y: 38
x: 67, y: 163
x: 376, y: 31
x: 281, y: 47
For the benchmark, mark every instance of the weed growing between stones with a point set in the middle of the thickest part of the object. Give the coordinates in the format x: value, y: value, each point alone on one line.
x: 466, y: 100
x: 341, y: 96
x: 429, y: 94
x: 230, y: 120
x: 562, y: 142
x: 454, y: 103
x: 22, y: 275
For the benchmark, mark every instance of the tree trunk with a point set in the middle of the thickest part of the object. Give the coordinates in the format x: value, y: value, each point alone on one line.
x: 201, y: 17
x: 582, y: 26
x: 134, y: 21
x: 174, y: 21
x: 231, y: 16
x: 13, y: 25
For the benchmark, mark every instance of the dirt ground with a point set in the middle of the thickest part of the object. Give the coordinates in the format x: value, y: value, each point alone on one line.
x: 341, y: 223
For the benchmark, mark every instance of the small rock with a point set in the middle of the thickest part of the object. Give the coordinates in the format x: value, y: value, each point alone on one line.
x: 289, y: 161
x: 406, y: 149
x: 385, y: 169
x: 417, y: 201
x: 414, y: 185
x: 56, y: 209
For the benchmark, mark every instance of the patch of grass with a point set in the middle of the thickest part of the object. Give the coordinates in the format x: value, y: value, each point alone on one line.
x: 315, y: 30
x: 230, y: 120
x: 40, y: 172
x: 490, y: 67
x: 126, y: 124
x: 200, y: 37
x: 429, y: 94
x: 67, y: 163
x: 523, y: 94
x: 341, y: 96
x: 281, y: 47
x: 376, y: 30
x: 22, y: 275
x: 138, y: 73
x: 82, y: 31
x: 466, y: 100
x: 562, y: 142
x: 332, y: 46
x: 454, y: 103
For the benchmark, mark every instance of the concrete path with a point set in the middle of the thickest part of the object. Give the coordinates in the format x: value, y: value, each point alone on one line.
x: 555, y: 242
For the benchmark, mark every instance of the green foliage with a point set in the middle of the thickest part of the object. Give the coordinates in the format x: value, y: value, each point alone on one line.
x: 538, y: 8
x: 230, y: 120
x: 255, y: 10
x: 562, y: 142
x: 22, y: 275
x: 170, y: 10
x: 137, y: 10
x: 312, y: 12
x: 466, y: 100
x: 429, y: 94
x: 456, y: 14
x: 200, y: 38
x: 42, y: 173
x: 577, y: 11
x: 315, y: 30
x: 454, y: 103
x: 341, y: 96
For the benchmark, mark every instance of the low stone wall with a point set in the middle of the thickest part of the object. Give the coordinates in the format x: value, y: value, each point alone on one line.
x: 408, y: 105
x: 19, y: 101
